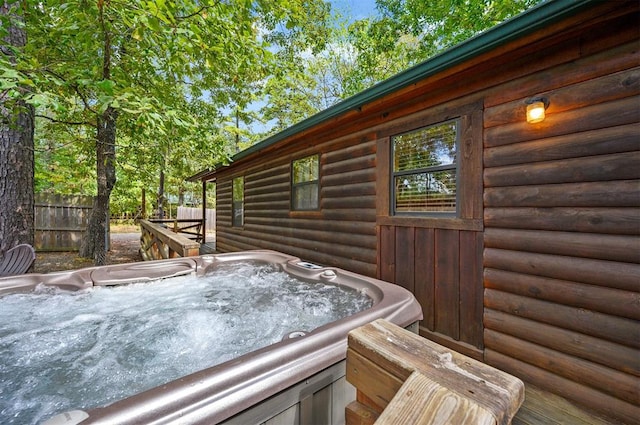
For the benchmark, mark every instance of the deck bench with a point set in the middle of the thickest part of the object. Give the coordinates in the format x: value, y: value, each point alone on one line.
x: 401, y: 377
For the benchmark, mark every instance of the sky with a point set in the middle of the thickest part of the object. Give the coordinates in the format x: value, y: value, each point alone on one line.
x: 355, y: 9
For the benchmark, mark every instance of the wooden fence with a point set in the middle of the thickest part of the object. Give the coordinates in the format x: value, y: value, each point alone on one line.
x: 196, y: 213
x: 60, y: 221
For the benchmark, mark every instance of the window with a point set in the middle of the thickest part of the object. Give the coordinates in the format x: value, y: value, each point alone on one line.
x: 237, y: 208
x: 424, y: 170
x: 305, y: 183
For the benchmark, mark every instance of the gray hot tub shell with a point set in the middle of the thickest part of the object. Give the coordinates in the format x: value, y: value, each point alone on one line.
x: 301, y: 376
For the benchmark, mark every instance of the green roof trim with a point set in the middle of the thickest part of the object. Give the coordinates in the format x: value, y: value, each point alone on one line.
x: 527, y: 22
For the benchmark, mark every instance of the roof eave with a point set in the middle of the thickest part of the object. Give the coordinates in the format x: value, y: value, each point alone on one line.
x: 200, y: 174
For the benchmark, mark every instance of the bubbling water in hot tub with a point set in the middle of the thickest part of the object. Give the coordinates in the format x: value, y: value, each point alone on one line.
x: 63, y: 350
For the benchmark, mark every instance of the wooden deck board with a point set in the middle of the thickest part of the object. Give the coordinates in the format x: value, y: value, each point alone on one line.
x: 544, y: 408
x: 208, y: 248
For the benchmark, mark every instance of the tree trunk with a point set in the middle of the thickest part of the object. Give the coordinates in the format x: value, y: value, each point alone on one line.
x: 16, y: 151
x: 160, y: 199
x: 181, y: 191
x: 143, y: 207
x: 94, y: 243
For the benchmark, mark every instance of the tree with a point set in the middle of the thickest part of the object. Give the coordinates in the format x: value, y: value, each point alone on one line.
x: 16, y: 138
x: 187, y: 77
x: 358, y: 54
x: 64, y: 161
x: 408, y: 32
x: 290, y: 93
x: 135, y: 70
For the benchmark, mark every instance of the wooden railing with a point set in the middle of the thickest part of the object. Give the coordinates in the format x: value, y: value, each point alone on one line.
x: 191, y: 228
x: 158, y: 242
x: 401, y: 377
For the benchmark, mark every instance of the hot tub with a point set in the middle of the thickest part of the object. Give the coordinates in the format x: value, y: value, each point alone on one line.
x: 300, y: 378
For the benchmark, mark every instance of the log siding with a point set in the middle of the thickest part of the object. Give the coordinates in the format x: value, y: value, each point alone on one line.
x: 342, y: 233
x: 562, y: 220
x: 539, y: 274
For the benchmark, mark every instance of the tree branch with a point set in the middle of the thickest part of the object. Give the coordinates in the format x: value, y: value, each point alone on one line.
x: 75, y: 88
x: 57, y: 121
x: 196, y: 13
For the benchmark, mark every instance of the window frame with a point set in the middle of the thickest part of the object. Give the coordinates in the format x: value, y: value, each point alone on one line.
x: 469, y: 200
x: 234, y: 207
x: 424, y: 170
x: 307, y: 183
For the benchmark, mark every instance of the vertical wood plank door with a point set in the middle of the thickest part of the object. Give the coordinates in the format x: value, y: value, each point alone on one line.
x: 443, y: 269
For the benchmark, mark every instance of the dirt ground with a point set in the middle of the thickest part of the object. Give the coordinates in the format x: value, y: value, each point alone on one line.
x: 124, y: 249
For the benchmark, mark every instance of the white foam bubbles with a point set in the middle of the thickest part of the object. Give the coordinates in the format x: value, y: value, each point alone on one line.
x: 77, y: 350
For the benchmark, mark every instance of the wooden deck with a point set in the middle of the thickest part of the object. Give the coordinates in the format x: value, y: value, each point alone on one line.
x: 543, y: 408
x: 158, y: 242
x: 208, y: 248
x: 402, y: 378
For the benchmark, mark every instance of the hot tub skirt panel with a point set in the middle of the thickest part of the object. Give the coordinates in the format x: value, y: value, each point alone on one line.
x: 319, y: 399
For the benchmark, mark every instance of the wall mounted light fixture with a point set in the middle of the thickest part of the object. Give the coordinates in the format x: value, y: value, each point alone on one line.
x: 536, y: 107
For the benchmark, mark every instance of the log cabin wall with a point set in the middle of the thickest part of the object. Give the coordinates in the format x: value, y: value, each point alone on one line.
x: 539, y: 273
x: 558, y: 243
x: 562, y: 220
x: 341, y: 233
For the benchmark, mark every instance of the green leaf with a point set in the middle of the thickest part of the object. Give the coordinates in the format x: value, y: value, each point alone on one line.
x: 10, y: 73
x: 38, y: 100
x: 104, y: 103
x: 106, y: 86
x: 154, y: 24
x: 7, y: 84
x: 138, y: 33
